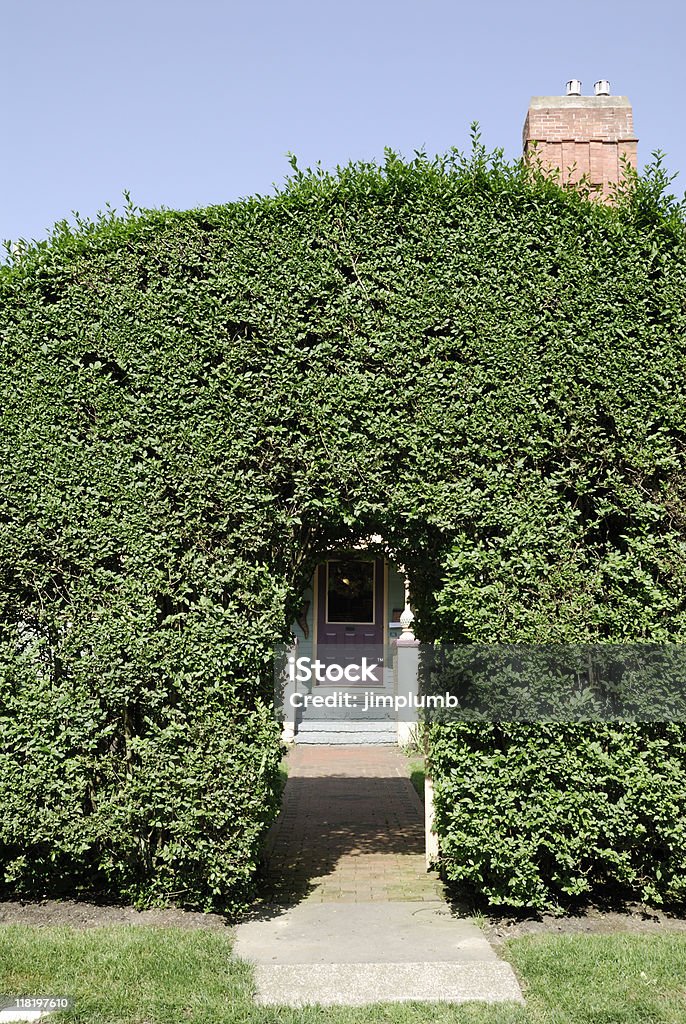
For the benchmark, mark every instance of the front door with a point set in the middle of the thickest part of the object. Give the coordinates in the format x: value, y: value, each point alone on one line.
x: 350, y: 604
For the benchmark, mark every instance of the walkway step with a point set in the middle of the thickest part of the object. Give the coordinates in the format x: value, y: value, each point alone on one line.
x: 319, y: 737
x: 297, y: 985
x: 340, y: 715
x: 348, y: 725
x: 392, y: 932
x: 346, y: 733
x: 354, y: 953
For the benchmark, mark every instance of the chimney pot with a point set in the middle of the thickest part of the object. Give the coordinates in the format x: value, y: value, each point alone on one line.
x: 574, y: 87
x: 602, y: 88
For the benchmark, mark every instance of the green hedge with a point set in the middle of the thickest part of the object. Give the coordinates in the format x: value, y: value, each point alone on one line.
x: 180, y: 821
x: 134, y: 779
x: 454, y: 354
x: 544, y: 817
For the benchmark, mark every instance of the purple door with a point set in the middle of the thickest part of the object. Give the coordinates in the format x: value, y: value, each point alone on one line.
x: 350, y: 594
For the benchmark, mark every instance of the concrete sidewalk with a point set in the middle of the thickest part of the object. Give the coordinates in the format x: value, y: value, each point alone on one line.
x: 351, y: 915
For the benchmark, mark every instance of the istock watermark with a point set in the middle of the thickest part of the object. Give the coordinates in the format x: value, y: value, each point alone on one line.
x: 22, y: 1008
x: 304, y: 670
x: 341, y: 682
x: 370, y: 700
x: 637, y: 682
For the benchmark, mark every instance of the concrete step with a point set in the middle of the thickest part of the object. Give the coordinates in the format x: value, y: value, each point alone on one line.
x: 334, y: 725
x: 350, y: 739
x: 356, y: 714
x: 300, y: 985
x: 351, y: 733
x: 347, y: 715
x: 358, y: 953
x: 356, y: 739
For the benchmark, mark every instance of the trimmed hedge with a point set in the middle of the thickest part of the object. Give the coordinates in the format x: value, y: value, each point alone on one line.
x: 457, y: 355
x: 544, y: 817
x: 151, y: 780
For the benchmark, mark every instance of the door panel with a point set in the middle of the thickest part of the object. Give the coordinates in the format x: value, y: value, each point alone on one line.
x: 350, y: 597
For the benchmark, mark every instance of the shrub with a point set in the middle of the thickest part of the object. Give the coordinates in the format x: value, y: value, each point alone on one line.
x: 134, y: 779
x: 543, y: 817
x: 476, y: 365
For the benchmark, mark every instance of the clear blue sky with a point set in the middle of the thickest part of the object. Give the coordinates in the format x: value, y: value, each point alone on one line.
x: 189, y: 104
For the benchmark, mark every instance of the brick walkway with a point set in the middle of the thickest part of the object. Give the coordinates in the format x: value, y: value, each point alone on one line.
x: 351, y: 829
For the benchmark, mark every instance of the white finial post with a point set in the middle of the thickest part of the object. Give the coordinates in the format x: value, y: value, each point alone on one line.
x: 407, y: 672
x: 289, y: 688
x: 407, y: 637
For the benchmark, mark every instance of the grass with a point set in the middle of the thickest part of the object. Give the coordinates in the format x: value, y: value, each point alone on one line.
x: 623, y: 979
x: 417, y: 774
x: 136, y: 975
x: 283, y: 775
x: 125, y: 974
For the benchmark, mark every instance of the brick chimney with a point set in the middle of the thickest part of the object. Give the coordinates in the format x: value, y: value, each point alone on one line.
x: 582, y: 134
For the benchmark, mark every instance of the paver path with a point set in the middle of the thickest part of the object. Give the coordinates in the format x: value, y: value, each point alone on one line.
x: 351, y: 916
x: 351, y: 829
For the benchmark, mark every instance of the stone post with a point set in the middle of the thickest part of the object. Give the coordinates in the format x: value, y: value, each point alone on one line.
x: 289, y: 688
x: 407, y: 647
x: 408, y: 679
x: 430, y: 837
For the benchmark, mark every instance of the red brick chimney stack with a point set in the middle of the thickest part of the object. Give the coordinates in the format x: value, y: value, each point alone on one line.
x: 582, y: 134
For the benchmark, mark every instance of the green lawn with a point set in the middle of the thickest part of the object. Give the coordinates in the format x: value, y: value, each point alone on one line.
x: 417, y: 773
x: 129, y: 975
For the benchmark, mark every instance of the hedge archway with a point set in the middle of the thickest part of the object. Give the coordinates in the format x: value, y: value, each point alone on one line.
x: 455, y: 354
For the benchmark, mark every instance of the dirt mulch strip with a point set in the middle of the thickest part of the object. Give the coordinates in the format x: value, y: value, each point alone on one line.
x: 76, y: 914
x: 90, y: 915
x: 635, y: 920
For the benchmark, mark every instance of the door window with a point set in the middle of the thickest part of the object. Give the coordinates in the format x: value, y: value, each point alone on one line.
x: 350, y: 590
